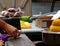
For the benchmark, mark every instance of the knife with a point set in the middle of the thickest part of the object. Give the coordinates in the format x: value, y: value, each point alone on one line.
x: 8, y: 43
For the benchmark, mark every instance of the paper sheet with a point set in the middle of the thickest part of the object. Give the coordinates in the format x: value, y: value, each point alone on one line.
x: 57, y: 15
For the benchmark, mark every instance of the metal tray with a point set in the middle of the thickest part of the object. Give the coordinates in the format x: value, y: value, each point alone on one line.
x: 51, y: 38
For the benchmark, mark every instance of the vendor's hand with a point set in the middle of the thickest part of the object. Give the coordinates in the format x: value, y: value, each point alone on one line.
x: 1, y: 42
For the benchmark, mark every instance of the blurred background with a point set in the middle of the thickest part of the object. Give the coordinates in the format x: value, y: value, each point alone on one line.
x: 44, y: 6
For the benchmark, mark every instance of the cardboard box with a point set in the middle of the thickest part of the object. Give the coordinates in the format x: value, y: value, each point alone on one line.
x: 44, y: 21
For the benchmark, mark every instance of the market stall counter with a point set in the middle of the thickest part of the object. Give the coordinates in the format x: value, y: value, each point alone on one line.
x: 22, y: 41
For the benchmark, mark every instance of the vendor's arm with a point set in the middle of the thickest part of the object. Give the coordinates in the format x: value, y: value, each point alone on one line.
x: 11, y: 30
